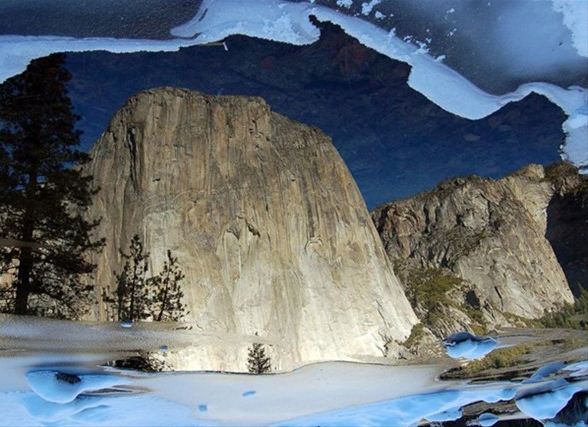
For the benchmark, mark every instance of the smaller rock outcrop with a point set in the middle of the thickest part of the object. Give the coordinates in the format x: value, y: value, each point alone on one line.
x: 474, y: 252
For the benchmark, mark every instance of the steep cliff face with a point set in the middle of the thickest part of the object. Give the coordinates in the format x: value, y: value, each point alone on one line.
x: 567, y: 224
x: 490, y: 234
x: 268, y: 225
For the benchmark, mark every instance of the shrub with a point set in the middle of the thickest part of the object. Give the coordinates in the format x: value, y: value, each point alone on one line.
x: 571, y: 316
x: 416, y: 334
x: 501, y: 358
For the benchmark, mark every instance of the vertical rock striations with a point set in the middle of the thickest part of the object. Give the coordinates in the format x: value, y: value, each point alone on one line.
x: 267, y: 223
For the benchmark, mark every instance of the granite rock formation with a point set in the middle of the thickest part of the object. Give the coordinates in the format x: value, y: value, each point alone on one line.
x: 266, y: 220
x: 490, y: 236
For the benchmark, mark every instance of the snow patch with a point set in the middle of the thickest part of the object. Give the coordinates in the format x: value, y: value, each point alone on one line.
x: 544, y: 372
x: 268, y: 19
x: 575, y: 17
x: 410, y: 410
x: 327, y: 394
x: 449, y: 415
x: 17, y: 51
x: 367, y: 7
x: 578, y: 369
x: 345, y: 3
x: 467, y: 346
x: 57, y: 387
x: 544, y: 404
x: 487, y: 419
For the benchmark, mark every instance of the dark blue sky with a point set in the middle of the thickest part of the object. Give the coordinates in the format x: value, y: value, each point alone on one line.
x: 151, y: 19
x: 395, y: 142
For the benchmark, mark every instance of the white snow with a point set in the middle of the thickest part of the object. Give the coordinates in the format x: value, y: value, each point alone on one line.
x: 409, y: 410
x: 578, y: 368
x: 27, y: 409
x: 326, y: 394
x: 545, y: 404
x: 34, y: 391
x: 367, y: 7
x: 17, y: 51
x: 545, y: 371
x: 575, y: 17
x: 268, y: 19
x: 467, y: 346
x: 50, y: 388
x: 345, y: 3
x: 449, y: 415
x: 487, y: 419
x: 288, y: 22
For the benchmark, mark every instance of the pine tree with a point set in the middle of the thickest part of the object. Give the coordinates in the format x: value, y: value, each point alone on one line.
x: 257, y: 361
x: 44, y: 236
x: 167, y: 294
x: 131, y: 293
x: 138, y: 297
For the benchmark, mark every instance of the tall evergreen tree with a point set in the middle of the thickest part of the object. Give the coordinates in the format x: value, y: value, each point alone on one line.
x: 43, y: 193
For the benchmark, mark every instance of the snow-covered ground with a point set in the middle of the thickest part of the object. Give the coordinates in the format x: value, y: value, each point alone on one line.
x: 335, y: 393
x: 69, y: 386
x: 289, y: 22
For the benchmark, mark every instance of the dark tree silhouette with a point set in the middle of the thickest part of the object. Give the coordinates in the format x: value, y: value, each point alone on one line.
x: 166, y: 292
x: 257, y: 361
x: 44, y: 237
x: 131, y: 294
x: 138, y: 297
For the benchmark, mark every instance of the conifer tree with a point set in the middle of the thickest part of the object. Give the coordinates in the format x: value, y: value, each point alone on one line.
x: 44, y: 236
x: 257, y: 361
x: 167, y: 294
x: 131, y: 294
x: 139, y: 297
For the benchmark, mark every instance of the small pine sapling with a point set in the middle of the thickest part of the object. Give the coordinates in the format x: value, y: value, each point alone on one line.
x: 257, y: 360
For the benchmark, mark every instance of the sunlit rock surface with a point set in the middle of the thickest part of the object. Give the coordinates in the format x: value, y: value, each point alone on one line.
x: 266, y: 221
x: 489, y: 233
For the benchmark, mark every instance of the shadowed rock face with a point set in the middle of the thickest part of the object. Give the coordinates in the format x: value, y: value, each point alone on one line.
x: 567, y: 224
x: 268, y: 225
x: 489, y: 233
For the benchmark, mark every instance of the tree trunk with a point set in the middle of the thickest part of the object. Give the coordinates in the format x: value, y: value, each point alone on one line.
x: 23, y: 285
x: 163, y: 302
x: 25, y: 260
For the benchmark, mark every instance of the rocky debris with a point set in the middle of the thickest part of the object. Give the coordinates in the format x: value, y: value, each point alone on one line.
x: 266, y: 221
